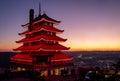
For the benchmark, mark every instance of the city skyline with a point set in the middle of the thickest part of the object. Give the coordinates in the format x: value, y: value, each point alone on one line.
x: 88, y: 25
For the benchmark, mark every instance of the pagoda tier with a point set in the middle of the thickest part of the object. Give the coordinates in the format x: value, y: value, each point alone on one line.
x: 57, y: 61
x: 41, y: 47
x: 27, y: 58
x: 45, y: 17
x: 41, y: 37
x: 40, y: 28
x: 41, y: 18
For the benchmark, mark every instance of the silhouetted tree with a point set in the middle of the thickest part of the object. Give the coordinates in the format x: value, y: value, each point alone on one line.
x: 117, y: 66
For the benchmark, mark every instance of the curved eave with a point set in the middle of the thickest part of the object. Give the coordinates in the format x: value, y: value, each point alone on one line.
x: 51, y: 28
x: 12, y: 59
x: 40, y: 40
x: 60, y: 31
x: 67, y: 59
x: 47, y: 38
x: 27, y: 58
x: 25, y: 25
x: 41, y: 47
x: 48, y: 18
x: 21, y: 58
x: 42, y: 28
x: 25, y: 32
x: 57, y: 49
x: 43, y: 19
x: 62, y: 57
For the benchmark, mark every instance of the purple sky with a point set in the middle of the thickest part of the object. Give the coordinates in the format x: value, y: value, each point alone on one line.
x: 88, y: 24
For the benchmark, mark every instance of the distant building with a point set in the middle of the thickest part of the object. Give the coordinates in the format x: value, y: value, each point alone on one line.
x: 40, y: 48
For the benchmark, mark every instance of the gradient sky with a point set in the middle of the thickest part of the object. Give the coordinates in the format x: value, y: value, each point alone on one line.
x: 88, y: 24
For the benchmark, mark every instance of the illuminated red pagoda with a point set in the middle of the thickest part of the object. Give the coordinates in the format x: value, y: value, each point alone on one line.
x: 40, y: 48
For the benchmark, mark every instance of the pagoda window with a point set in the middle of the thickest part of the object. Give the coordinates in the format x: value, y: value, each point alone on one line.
x: 26, y: 44
x: 36, y: 25
x: 46, y: 23
x: 52, y: 42
x: 42, y: 22
x: 48, y: 33
x: 50, y: 24
x: 35, y: 43
x: 43, y: 32
x: 47, y: 42
x: 53, y: 33
x: 37, y: 33
x: 56, y: 42
x: 27, y: 35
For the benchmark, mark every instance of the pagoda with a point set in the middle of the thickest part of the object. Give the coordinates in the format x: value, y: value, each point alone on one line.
x: 41, y: 49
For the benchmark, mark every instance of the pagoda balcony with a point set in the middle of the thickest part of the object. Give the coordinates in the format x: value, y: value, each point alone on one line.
x: 42, y: 37
x: 42, y: 47
x: 58, y: 58
x: 41, y: 28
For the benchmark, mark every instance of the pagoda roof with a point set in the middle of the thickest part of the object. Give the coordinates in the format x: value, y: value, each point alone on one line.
x: 43, y: 17
x: 22, y: 57
x: 41, y: 47
x: 61, y: 57
x: 42, y: 27
x: 42, y: 37
x: 55, y: 58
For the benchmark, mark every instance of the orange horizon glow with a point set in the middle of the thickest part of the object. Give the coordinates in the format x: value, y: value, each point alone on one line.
x: 74, y: 44
x: 73, y: 47
x: 95, y: 49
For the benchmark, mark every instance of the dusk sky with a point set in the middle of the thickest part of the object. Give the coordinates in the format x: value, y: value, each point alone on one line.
x: 88, y: 24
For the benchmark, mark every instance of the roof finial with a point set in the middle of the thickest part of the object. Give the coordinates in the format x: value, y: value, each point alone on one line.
x: 44, y: 12
x: 40, y: 8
